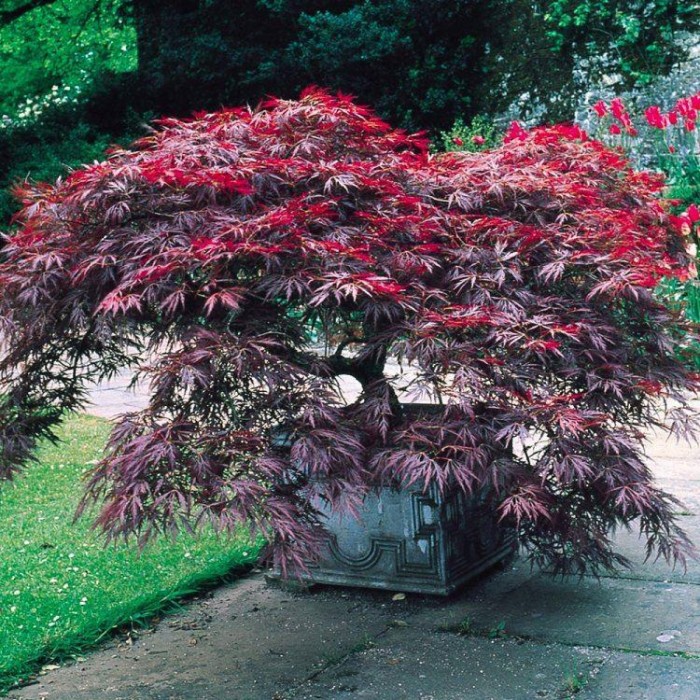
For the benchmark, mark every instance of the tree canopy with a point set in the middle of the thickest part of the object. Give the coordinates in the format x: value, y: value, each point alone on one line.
x: 245, y: 259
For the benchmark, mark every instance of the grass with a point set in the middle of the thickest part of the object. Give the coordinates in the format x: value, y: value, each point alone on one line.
x: 61, y: 589
x: 574, y: 684
x: 467, y: 628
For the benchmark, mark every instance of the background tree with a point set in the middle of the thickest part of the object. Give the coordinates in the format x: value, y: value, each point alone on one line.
x: 56, y: 59
x: 43, y: 44
x: 422, y: 64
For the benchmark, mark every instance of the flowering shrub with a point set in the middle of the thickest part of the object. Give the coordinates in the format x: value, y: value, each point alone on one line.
x: 245, y: 260
x: 32, y: 109
x: 479, y: 135
x: 673, y: 137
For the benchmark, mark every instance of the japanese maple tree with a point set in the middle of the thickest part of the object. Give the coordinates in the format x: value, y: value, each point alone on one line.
x: 243, y: 261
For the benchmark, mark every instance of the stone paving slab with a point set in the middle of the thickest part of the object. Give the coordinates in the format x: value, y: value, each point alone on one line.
x: 250, y: 642
x: 247, y: 642
x: 113, y: 397
x: 630, y: 545
x: 615, y: 613
x: 673, y: 459
x: 633, y: 677
x: 408, y: 663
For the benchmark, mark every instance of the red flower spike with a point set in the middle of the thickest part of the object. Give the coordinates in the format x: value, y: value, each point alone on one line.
x: 685, y: 108
x: 618, y: 109
x: 654, y: 117
x: 600, y: 108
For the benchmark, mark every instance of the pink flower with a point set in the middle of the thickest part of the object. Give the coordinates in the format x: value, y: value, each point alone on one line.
x: 672, y: 117
x: 689, y: 125
x: 686, y: 109
x: 654, y: 117
x: 615, y: 129
x: 617, y: 107
x: 671, y: 149
x: 600, y: 108
x: 693, y: 213
x: 478, y: 140
x: 457, y: 141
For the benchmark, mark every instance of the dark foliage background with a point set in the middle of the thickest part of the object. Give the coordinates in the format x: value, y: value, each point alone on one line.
x: 420, y: 63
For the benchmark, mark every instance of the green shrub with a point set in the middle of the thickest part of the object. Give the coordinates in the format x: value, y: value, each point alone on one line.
x: 479, y: 135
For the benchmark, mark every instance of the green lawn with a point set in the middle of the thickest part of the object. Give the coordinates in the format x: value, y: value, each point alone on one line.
x: 61, y: 589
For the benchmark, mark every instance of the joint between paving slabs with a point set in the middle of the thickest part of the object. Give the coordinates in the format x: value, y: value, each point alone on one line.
x: 330, y: 661
x: 467, y: 628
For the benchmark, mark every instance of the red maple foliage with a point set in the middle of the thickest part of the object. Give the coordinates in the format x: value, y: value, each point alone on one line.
x: 244, y: 260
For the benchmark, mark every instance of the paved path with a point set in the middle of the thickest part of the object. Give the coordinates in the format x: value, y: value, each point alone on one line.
x: 512, y: 636
x: 114, y: 397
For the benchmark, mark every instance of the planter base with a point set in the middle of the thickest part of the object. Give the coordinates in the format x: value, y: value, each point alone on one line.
x: 412, y: 541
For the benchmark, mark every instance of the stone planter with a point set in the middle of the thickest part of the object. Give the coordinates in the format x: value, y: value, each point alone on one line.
x: 413, y: 541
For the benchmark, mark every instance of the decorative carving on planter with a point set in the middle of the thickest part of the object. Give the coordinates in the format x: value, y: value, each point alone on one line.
x: 414, y: 541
